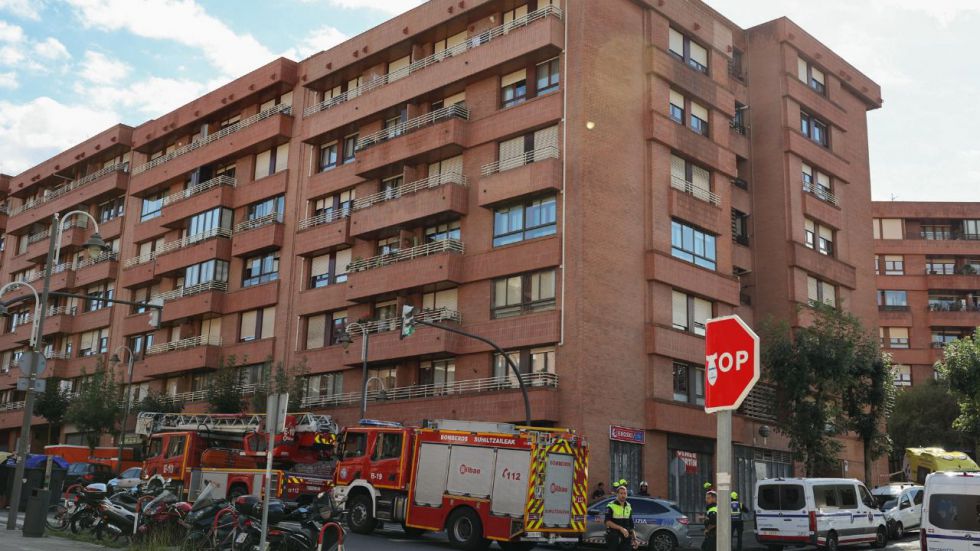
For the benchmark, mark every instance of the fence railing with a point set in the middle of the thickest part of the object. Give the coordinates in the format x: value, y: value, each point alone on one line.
x: 392, y: 324
x: 331, y: 215
x: 821, y: 193
x: 184, y: 343
x: 547, y: 152
x: 191, y: 290
x: 469, y: 386
x: 97, y: 259
x: 192, y: 239
x: 470, y: 43
x: 691, y: 189
x: 222, y: 180
x: 57, y: 269
x: 137, y: 260
x: 228, y: 130
x: 58, y: 355
x: 271, y: 218
x: 201, y: 395
x: 69, y: 187
x: 45, y: 233
x: 435, y: 247
x: 409, y: 188
x: 445, y: 113
x: 10, y: 406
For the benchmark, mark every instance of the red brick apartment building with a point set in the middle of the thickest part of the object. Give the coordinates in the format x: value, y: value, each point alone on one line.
x: 585, y: 183
x: 927, y: 262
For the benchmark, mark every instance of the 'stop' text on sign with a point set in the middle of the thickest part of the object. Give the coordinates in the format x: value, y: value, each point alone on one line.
x: 731, y: 362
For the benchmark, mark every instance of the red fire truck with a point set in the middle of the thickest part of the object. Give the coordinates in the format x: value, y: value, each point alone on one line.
x: 478, y: 481
x: 229, y: 451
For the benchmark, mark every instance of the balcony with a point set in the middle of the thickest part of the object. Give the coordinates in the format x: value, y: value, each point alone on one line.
x: 74, y: 235
x: 387, y: 343
x: 62, y: 277
x: 434, y: 262
x: 442, y: 193
x: 533, y: 172
x: 435, y: 134
x: 258, y: 234
x: 212, y: 193
x: 208, y: 298
x: 98, y: 268
x: 90, y: 188
x: 333, y: 231
x: 822, y: 193
x: 201, y: 395
x: 214, y: 243
x: 182, y: 355
x: 699, y: 193
x: 59, y: 320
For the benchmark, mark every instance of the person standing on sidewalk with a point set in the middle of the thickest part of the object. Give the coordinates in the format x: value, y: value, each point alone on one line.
x: 619, y: 522
x: 710, y: 542
x: 737, y: 525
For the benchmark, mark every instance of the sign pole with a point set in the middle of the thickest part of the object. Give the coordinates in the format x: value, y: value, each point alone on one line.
x: 275, y: 420
x: 724, y: 479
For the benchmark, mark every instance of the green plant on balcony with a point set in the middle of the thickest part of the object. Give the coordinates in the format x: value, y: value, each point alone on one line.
x: 968, y: 269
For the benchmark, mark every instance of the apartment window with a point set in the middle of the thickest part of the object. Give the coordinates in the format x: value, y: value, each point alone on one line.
x: 398, y: 68
x: 888, y: 228
x: 941, y: 336
x: 817, y: 183
x: 437, y: 372
x: 350, y: 146
x: 271, y: 161
x: 547, y: 76
x: 940, y: 266
x: 258, y: 324
x: 738, y: 121
x: 333, y: 206
x: 699, y: 118
x: 140, y: 343
x: 112, y: 208
x: 272, y: 206
x: 254, y: 374
x: 893, y: 300
x: 903, y: 375
x: 18, y: 318
x: 441, y: 232
x: 531, y: 147
x: 325, y: 329
x: 894, y: 337
x: 533, y: 360
x: 261, y: 269
x: 686, y: 378
x: 740, y: 227
x: 677, y: 103
x: 328, y: 156
x: 449, y: 101
x: 513, y: 88
x: 894, y: 264
x: 690, y: 178
x: 523, y: 293
x: 143, y: 294
x: 234, y: 119
x: 688, y: 51
x: 811, y: 76
x: 820, y: 291
x: 692, y: 245
x: 205, y: 272
x: 690, y: 313
x: 98, y: 297
x: 438, y: 300
x: 386, y: 378
x: 814, y: 128
x: 440, y: 46
x: 936, y: 232
x: 326, y: 384
x: 819, y: 237
x: 151, y: 206
x: 94, y: 342
x: 328, y: 269
x: 205, y: 223
x: 523, y: 221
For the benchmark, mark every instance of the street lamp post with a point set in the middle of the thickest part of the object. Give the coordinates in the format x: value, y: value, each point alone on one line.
x: 94, y: 245
x: 346, y: 338
x: 129, y: 388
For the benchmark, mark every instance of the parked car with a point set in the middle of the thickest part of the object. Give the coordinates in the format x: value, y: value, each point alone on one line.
x: 659, y: 524
x: 130, y: 478
x: 906, y: 513
x: 951, y: 512
x: 87, y: 473
x: 889, y: 492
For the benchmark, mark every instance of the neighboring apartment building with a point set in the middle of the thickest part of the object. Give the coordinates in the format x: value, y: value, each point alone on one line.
x: 927, y: 261
x: 691, y: 169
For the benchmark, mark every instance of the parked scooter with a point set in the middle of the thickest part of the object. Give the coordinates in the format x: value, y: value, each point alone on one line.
x: 200, y: 524
x: 307, y: 528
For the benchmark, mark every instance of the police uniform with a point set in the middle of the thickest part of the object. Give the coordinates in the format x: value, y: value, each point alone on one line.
x: 620, y: 515
x: 710, y: 542
x: 737, y: 525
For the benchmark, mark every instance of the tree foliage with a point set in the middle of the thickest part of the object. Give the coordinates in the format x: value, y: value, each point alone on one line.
x: 960, y: 368
x: 52, y: 404
x: 96, y: 408
x: 923, y: 417
x: 281, y: 380
x: 159, y: 402
x: 224, y: 391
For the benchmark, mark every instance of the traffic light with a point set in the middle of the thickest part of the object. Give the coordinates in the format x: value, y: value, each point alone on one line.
x: 156, y: 306
x: 408, y: 321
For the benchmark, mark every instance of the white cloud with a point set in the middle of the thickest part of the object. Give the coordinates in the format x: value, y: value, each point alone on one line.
x: 148, y: 98
x: 316, y: 41
x: 10, y: 33
x: 28, y: 9
x: 99, y: 69
x: 392, y: 7
x: 8, y: 80
x: 51, y: 48
x: 11, y: 55
x: 182, y: 21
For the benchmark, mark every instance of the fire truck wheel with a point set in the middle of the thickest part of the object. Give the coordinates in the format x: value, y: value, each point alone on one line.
x: 362, y: 520
x: 466, y: 531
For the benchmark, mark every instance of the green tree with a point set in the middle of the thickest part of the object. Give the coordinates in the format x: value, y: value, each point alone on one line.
x: 960, y: 368
x: 224, y: 389
x: 52, y: 404
x: 159, y: 402
x: 923, y: 416
x: 280, y: 380
x: 96, y: 408
x: 869, y: 399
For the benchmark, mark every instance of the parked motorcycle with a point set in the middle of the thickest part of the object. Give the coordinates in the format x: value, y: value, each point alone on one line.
x: 208, y: 523
x: 313, y: 527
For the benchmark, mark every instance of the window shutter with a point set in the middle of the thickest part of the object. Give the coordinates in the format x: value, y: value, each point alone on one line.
x: 811, y: 288
x: 315, y: 326
x: 454, y: 99
x: 677, y: 99
x: 545, y: 142
x: 676, y: 42
x: 876, y: 227
x: 891, y: 228
x: 701, y: 178
x: 678, y: 170
x: 398, y: 68
x: 146, y: 248
x: 248, y: 325
x: 211, y: 328
x: 267, y: 105
x: 823, y: 180
x: 817, y: 75
x: 320, y: 265
x: 826, y: 233
x: 679, y: 305
x: 898, y: 332
x: 702, y: 313
x: 86, y: 340
x: 282, y: 157
x: 447, y: 299
x: 829, y: 293
x: 807, y: 170
x: 456, y: 40
x: 313, y: 386
x: 343, y: 259
x: 513, y: 78
x: 268, y: 322
x: 452, y: 165
x: 287, y: 98
x: 511, y: 153
x: 699, y: 54
x: 801, y: 70
x: 262, y: 164
x: 699, y: 111
x: 808, y: 224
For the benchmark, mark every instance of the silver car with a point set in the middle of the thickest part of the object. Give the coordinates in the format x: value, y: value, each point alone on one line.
x: 659, y: 524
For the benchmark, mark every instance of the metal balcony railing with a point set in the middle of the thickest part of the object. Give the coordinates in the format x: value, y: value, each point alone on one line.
x: 183, y: 343
x: 435, y: 247
x: 191, y: 290
x: 228, y: 130
x: 691, y: 189
x: 69, y: 187
x: 58, y: 355
x: 57, y: 269
x: 97, y: 259
x: 81, y: 222
x: 271, y: 218
x: 62, y: 311
x: 458, y: 111
x: 192, y: 239
x: 199, y: 188
x: 547, y: 152
x: 944, y: 234
x: 331, y: 215
x: 738, y: 127
x: 10, y: 406
x: 409, y: 188
x: 392, y: 324
x: 137, y: 260
x: 821, y: 193
x: 201, y: 395
x: 952, y: 304
x: 469, y: 386
x: 472, y: 42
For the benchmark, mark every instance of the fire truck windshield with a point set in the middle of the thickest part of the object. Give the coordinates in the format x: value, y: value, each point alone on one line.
x: 354, y: 445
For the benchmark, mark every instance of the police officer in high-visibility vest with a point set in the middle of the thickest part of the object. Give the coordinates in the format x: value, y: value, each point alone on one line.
x: 737, y: 525
x: 619, y: 522
x: 710, y: 542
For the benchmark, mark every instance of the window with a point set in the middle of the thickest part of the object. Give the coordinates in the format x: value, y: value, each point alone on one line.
x: 350, y: 146
x: 387, y: 445
x: 940, y: 266
x: 273, y: 206
x: 261, y: 269
x: 690, y: 313
x: 151, y: 206
x: 528, y: 220
x: 143, y: 294
x: 258, y: 324
x: 547, y: 75
x: 398, y: 68
x: 329, y: 268
x: 894, y: 337
x: 205, y: 224
x: 234, y: 119
x: 205, y: 272
x: 328, y: 156
x: 514, y: 17
x: 810, y: 75
x: 271, y: 161
x: 521, y: 150
x: 892, y: 300
x: 94, y: 342
x: 388, y: 245
x: 442, y: 232
x: 438, y: 300
x: 438, y: 373
x: 692, y: 245
x: 820, y: 291
x: 176, y: 446
x: 895, y: 264
x: 333, y: 206
x: 441, y: 46
x: 325, y: 329
x: 941, y: 336
x: 688, y: 51
x: 677, y: 103
x: 740, y: 227
x: 890, y: 228
x: 699, y: 118
x: 687, y: 377
x: 534, y: 360
x: 112, y: 208
x: 139, y: 344
x: 513, y: 88
x: 97, y: 297
x: 355, y: 445
x: 817, y: 183
x: 819, y: 237
x: 690, y: 178
x: 522, y: 294
x: 814, y: 128
x: 386, y: 377
x: 327, y: 384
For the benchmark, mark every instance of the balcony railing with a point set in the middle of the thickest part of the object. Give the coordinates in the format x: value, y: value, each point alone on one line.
x: 184, y: 343
x: 271, y: 218
x: 69, y: 187
x: 191, y: 290
x: 199, y: 188
x: 201, y: 395
x: 469, y: 386
x: 97, y: 259
x: 327, y: 217
x: 893, y: 307
x: 57, y: 269
x: 698, y: 192
x: 821, y: 193
x: 391, y: 324
x: 738, y: 127
x: 45, y: 233
x: 741, y: 183
x: 547, y: 152
x: 458, y: 111
x: 227, y: 131
x: 472, y: 42
x: 10, y: 406
x: 141, y: 259
x: 952, y: 305
x: 409, y: 188
x: 950, y: 234
x: 192, y: 239
x: 58, y: 355
x: 435, y: 247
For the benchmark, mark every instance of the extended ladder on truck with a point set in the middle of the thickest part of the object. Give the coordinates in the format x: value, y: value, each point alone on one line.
x: 148, y: 423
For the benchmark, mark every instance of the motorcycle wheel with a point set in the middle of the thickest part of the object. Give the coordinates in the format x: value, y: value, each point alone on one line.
x: 84, y: 521
x: 57, y: 518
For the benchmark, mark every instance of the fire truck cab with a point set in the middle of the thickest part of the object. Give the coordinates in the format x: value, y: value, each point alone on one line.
x: 478, y: 481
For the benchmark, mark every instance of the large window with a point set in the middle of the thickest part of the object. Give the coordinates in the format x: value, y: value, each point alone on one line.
x: 151, y: 206
x: 940, y: 266
x: 140, y: 343
x: 690, y: 313
x: 513, y: 88
x: 99, y: 296
x: 271, y: 161
x: 330, y: 268
x: 325, y: 329
x: 333, y: 206
x: 817, y: 183
x: 328, y: 156
x: 810, y: 75
x: 441, y: 232
x: 893, y: 300
x: 258, y: 324
x: 94, y: 342
x: 143, y: 294
x: 692, y: 245
x: 814, y: 128
x: 532, y: 360
x: 350, y: 148
x: 208, y: 221
x: 689, y: 383
x: 112, y: 208
x: 324, y: 385
x: 891, y: 228
x: 522, y: 221
x: 688, y: 51
x: 269, y: 207
x: 205, y: 272
x: 521, y: 150
x: 524, y: 293
x: 903, y: 376
x: 438, y: 373
x: 894, y: 337
x: 894, y: 264
x: 547, y: 76
x: 261, y: 269
x: 820, y: 291
x: 818, y: 237
x: 690, y: 178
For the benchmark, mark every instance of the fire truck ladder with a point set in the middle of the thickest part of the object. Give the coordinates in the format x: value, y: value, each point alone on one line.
x: 148, y: 423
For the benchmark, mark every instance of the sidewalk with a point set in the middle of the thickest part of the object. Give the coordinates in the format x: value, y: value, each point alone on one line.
x: 14, y: 540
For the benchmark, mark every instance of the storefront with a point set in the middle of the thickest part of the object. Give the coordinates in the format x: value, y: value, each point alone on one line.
x: 626, y: 455
x: 691, y: 463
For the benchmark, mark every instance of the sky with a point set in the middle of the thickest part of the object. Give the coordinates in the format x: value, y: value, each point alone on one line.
x: 71, y: 68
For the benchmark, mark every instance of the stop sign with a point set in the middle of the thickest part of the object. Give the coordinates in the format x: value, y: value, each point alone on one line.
x: 731, y: 364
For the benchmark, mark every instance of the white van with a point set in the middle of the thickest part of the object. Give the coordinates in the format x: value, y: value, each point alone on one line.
x: 826, y: 512
x: 951, y: 512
